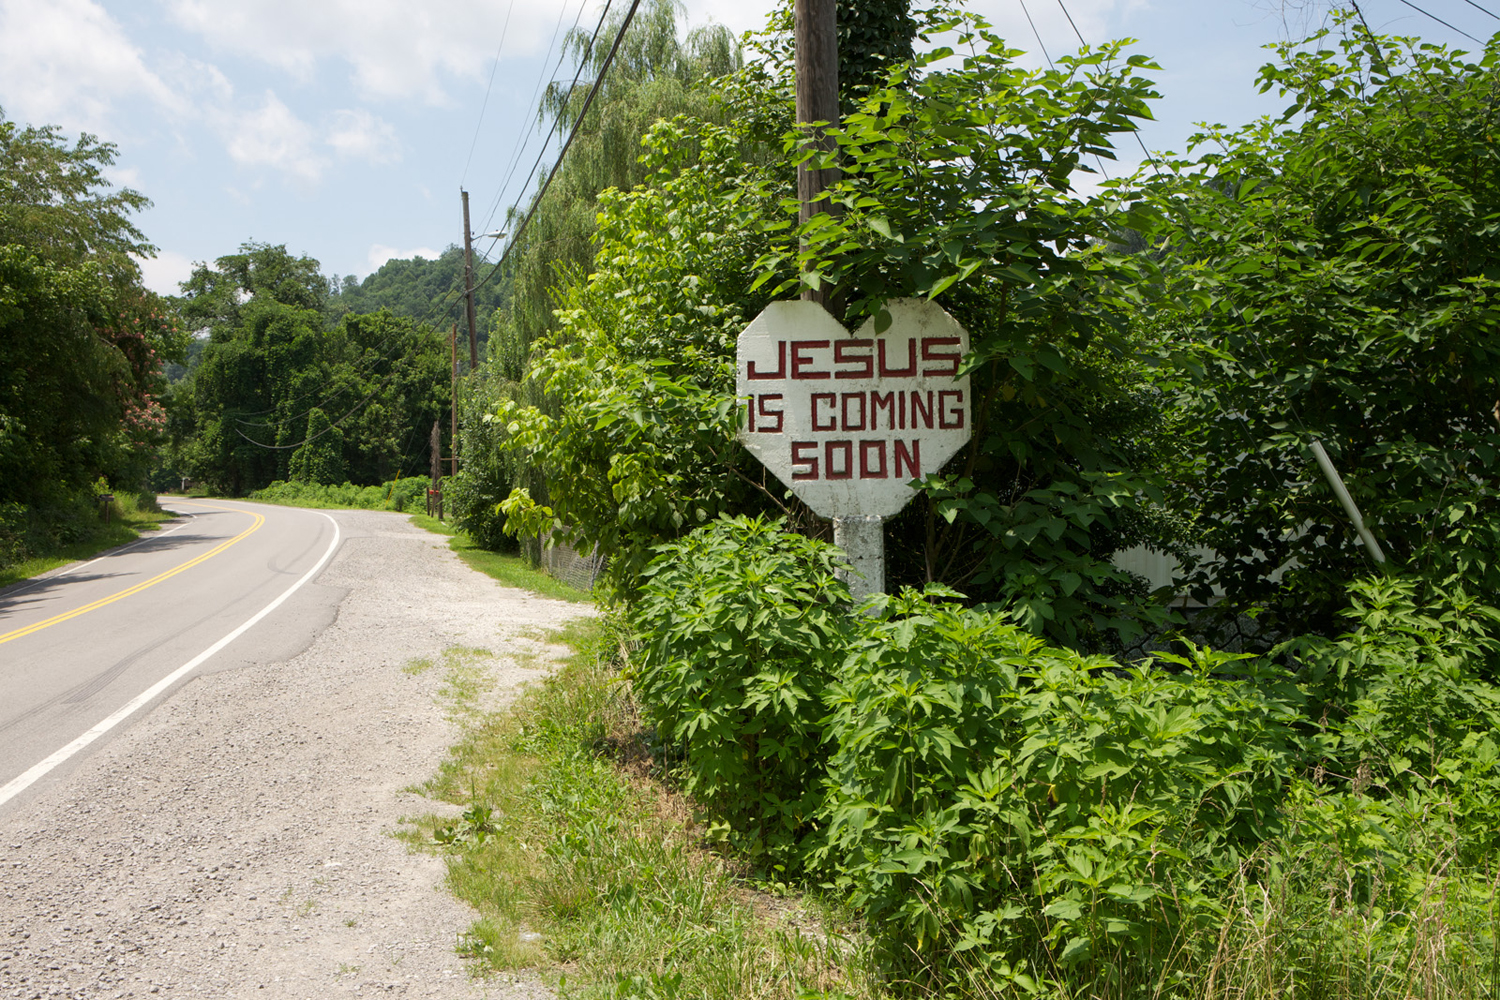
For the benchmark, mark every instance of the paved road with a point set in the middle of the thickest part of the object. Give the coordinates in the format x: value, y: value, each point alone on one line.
x: 82, y: 651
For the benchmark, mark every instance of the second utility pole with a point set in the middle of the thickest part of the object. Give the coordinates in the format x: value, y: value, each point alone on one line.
x: 469, y: 284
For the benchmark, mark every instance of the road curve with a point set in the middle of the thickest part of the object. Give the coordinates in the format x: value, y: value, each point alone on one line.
x: 81, y: 650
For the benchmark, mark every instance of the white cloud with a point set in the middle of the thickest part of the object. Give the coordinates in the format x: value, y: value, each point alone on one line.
x: 273, y: 136
x: 165, y: 272
x: 67, y: 62
x: 361, y: 135
x: 393, y: 48
x: 379, y: 254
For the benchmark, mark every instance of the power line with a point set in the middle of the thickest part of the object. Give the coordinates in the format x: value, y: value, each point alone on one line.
x: 1135, y: 132
x: 494, y: 66
x: 558, y: 117
x: 1445, y: 24
x: 521, y: 140
x: 331, y: 427
x: 572, y: 134
x: 1038, y: 36
x: 1476, y: 6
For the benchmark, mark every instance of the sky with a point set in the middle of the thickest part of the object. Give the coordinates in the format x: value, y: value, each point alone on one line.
x: 345, y: 129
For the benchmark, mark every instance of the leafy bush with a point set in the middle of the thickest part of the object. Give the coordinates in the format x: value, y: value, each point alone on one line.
x: 740, y: 627
x: 1005, y: 810
x: 474, y: 498
x: 407, y: 495
x: 1408, y: 706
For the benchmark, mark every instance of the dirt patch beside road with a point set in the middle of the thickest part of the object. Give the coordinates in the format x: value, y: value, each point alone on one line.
x: 235, y: 842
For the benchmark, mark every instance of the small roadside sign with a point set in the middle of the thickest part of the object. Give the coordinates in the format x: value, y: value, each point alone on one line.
x: 847, y: 420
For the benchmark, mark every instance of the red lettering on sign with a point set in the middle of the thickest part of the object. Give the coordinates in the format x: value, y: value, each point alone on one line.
x: 801, y: 361
x: 957, y: 413
x: 847, y: 447
x: 841, y: 356
x: 949, y: 359
x: 780, y: 371
x: 810, y: 461
x: 775, y: 416
x: 865, y: 470
x: 918, y: 409
x: 911, y: 459
x: 833, y: 420
x: 883, y: 401
x: 844, y: 400
x: 911, y: 362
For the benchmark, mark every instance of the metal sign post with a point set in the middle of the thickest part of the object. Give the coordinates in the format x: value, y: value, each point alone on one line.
x: 848, y: 420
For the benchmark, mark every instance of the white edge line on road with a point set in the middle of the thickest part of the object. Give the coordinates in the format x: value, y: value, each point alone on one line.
x: 19, y: 784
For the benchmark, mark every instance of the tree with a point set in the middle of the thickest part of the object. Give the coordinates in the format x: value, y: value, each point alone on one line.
x: 214, y: 298
x: 320, y: 458
x: 1335, y: 275
x: 273, y: 363
x: 957, y: 185
x: 656, y: 74
x: 81, y: 342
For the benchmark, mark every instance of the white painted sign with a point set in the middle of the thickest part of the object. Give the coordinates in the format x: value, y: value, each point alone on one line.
x: 848, y: 420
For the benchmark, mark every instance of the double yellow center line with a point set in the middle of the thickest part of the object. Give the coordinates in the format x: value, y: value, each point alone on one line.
x: 128, y: 591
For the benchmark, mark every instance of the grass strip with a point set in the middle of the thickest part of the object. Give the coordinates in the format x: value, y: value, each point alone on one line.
x: 583, y: 867
x: 510, y: 570
x: 127, y: 520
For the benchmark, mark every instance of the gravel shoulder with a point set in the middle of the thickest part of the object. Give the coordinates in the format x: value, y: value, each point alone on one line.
x: 236, y: 841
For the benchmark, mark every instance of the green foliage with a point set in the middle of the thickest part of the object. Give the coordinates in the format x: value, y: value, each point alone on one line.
x: 216, y: 298
x: 1005, y: 811
x: 56, y: 200
x: 657, y: 74
x: 407, y: 495
x: 475, y: 498
x: 956, y: 183
x: 422, y: 290
x: 320, y: 458
x: 272, y: 368
x: 634, y: 441
x: 1408, y: 703
x: 740, y: 629
x: 1332, y: 275
x: 1015, y: 818
x: 81, y: 342
x: 874, y: 37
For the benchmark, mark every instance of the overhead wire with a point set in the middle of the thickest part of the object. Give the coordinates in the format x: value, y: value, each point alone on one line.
x: 572, y: 134
x: 484, y: 105
x: 556, y: 119
x: 522, y: 139
x: 1445, y: 24
x: 1138, y: 141
x: 1486, y: 10
x: 1037, y: 35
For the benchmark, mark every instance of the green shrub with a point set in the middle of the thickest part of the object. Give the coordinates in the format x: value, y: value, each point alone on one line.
x: 1007, y: 812
x: 740, y: 627
x: 1407, y: 705
x: 406, y: 495
x: 474, y: 498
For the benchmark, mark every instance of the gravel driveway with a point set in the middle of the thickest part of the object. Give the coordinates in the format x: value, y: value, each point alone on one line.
x: 235, y: 841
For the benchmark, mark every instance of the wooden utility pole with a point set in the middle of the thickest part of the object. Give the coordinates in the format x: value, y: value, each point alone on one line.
x: 817, y: 72
x: 453, y: 439
x: 469, y: 284
x: 435, y: 487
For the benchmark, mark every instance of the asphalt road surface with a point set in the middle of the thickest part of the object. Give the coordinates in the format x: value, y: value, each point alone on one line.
x: 84, y: 651
x: 230, y: 835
